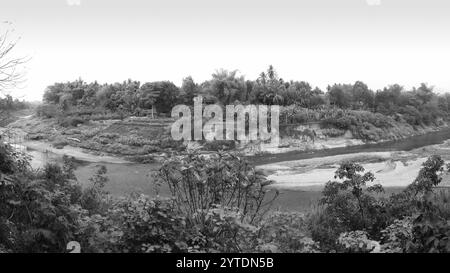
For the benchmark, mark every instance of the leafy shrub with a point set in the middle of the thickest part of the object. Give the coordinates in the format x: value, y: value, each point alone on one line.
x: 48, y: 111
x: 221, y: 195
x: 92, y: 198
x: 430, y: 235
x: 286, y: 232
x: 147, y: 225
x: 363, y: 124
x: 324, y: 228
x: 200, y: 182
x: 358, y: 241
x: 397, y: 236
x: 414, y: 220
x: 37, y: 210
x: 349, y: 198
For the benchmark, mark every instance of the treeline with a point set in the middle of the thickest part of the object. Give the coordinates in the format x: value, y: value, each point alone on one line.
x: 417, y: 106
x: 8, y: 103
x: 7, y: 106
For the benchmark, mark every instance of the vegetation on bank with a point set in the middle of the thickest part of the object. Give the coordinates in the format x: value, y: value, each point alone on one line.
x: 369, y: 115
x: 8, y: 105
x: 219, y: 203
x: 98, y: 117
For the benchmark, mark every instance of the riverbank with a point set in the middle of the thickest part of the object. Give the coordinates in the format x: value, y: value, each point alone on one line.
x: 144, y: 140
x: 391, y: 169
x: 78, y: 153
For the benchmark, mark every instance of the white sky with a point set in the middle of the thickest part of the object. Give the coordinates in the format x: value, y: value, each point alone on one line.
x: 320, y: 41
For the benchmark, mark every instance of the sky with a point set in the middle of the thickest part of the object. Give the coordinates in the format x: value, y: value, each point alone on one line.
x: 379, y: 42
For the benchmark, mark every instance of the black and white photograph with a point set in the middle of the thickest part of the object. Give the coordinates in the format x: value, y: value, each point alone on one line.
x: 249, y: 128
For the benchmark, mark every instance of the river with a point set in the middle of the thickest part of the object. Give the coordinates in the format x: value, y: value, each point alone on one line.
x: 132, y: 177
x: 406, y: 144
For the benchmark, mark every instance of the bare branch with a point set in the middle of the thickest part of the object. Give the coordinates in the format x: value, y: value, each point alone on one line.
x: 11, y: 74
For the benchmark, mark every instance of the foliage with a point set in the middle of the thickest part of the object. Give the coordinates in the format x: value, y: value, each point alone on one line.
x: 414, y: 220
x: 369, y: 115
x: 286, y: 232
x: 70, y: 121
x: 218, y: 204
x: 147, y: 225
x: 47, y: 111
x: 397, y: 237
x: 9, y: 103
x: 199, y: 183
x: 128, y: 97
x: 358, y: 241
x: 350, y: 200
x: 431, y: 234
x: 38, y: 213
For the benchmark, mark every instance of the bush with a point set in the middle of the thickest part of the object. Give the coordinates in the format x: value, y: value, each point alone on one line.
x: 200, y: 182
x: 414, y: 220
x: 333, y: 132
x: 364, y: 125
x: 92, y: 198
x: 48, y: 111
x: 349, y: 205
x: 358, y: 241
x: 37, y: 210
x: 286, y: 232
x: 396, y: 238
x: 147, y: 225
x: 70, y: 121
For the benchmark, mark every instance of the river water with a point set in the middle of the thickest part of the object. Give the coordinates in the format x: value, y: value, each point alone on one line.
x: 406, y: 144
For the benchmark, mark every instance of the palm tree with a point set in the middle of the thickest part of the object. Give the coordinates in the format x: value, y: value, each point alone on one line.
x: 226, y: 86
x: 269, y: 87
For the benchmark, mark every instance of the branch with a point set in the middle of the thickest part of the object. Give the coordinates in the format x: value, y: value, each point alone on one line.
x: 10, y: 74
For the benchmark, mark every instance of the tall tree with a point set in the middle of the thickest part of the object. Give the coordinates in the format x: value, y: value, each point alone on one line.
x: 339, y: 96
x: 362, y: 96
x: 161, y: 96
x: 147, y: 96
x: 189, y: 90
